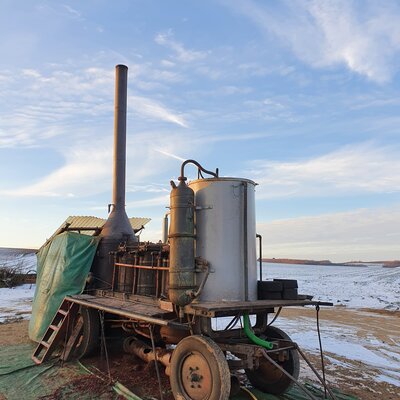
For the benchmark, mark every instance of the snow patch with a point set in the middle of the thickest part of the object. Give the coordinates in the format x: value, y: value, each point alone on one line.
x: 16, y: 302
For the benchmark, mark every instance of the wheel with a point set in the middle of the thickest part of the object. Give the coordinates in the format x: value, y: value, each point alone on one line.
x: 199, y: 370
x: 267, y: 377
x: 88, y: 339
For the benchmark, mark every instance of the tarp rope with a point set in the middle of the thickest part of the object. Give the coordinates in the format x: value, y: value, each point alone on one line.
x: 156, y: 361
x: 103, y: 342
x: 320, y: 350
x: 248, y: 392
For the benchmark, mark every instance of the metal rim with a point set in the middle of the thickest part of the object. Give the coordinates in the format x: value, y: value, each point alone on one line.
x: 227, y: 179
x: 196, y: 376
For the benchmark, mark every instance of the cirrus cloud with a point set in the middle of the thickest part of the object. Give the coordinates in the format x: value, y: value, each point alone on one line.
x: 363, y: 36
x: 353, y: 169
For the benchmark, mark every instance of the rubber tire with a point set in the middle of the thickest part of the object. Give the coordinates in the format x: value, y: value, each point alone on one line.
x: 215, y: 358
x: 292, y: 366
x: 90, y: 338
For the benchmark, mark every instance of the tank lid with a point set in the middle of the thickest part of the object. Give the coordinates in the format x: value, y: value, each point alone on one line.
x: 219, y: 179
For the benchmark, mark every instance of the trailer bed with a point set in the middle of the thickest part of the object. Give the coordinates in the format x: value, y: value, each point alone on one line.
x: 128, y: 309
x: 219, y: 309
x: 134, y: 308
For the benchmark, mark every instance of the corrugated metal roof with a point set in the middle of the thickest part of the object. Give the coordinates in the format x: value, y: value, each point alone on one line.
x: 94, y: 222
x: 76, y: 222
x: 138, y: 222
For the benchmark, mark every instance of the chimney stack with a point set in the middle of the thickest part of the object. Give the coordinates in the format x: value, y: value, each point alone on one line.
x: 117, y: 225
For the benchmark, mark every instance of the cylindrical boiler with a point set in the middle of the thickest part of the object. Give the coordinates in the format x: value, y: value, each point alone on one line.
x: 226, y: 237
x: 182, y: 244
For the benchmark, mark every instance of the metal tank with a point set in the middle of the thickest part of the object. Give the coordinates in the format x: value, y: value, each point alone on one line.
x: 226, y: 237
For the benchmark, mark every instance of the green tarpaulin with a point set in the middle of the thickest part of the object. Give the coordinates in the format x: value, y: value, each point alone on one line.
x: 20, y: 378
x: 62, y: 267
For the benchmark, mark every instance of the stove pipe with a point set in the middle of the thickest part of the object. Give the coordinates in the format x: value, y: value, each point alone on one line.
x: 117, y: 225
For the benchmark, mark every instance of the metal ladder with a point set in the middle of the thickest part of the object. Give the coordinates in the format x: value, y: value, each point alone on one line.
x: 56, y: 331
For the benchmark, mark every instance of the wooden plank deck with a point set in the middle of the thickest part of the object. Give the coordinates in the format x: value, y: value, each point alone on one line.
x: 128, y: 309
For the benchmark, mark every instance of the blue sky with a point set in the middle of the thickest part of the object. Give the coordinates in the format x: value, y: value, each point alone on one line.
x: 300, y: 96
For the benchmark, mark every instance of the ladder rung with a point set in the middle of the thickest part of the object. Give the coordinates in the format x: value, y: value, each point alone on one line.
x: 45, y: 344
x: 63, y: 312
x: 54, y: 327
x: 36, y: 360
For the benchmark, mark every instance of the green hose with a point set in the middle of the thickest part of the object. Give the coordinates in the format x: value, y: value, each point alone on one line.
x: 250, y: 334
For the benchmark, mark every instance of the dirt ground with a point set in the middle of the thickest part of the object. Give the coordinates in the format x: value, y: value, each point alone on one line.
x: 351, y: 376
x: 14, y: 333
x: 380, y: 328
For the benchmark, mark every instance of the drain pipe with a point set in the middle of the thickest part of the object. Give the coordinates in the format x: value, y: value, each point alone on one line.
x: 259, y: 237
x: 165, y: 228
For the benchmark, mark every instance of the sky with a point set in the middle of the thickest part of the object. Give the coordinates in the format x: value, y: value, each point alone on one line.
x: 300, y: 96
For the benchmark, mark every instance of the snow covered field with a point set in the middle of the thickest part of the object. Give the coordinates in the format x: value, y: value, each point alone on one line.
x: 355, y: 287
x: 17, y: 302
x: 24, y: 260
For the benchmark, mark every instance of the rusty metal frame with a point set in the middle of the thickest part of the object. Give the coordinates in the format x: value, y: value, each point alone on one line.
x: 249, y: 355
x: 204, y: 327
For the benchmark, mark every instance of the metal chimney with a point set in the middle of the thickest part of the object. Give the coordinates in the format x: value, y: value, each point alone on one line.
x: 117, y: 225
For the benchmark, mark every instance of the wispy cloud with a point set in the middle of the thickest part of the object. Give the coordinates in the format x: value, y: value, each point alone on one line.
x: 153, y: 109
x: 351, y: 170
x: 148, y: 188
x: 46, y: 104
x: 181, y: 53
x: 165, y: 153
x: 362, y: 234
x: 151, y: 202
x: 82, y: 174
x: 73, y: 12
x: 87, y: 167
x: 330, y: 33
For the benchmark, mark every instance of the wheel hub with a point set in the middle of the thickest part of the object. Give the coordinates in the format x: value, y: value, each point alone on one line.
x: 196, y: 376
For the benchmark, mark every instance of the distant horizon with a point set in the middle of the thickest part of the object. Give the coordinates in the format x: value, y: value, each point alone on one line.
x: 264, y: 258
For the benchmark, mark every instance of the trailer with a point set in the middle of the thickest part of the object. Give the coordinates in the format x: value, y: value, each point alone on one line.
x: 164, y: 297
